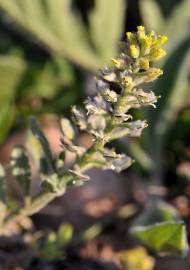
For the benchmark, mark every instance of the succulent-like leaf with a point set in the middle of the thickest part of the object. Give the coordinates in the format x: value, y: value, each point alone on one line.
x: 169, y: 237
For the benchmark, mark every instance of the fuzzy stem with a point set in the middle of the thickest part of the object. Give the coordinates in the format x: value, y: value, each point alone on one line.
x: 44, y: 197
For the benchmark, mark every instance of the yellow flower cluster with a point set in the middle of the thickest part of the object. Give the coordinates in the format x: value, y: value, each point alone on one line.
x: 136, y: 57
x: 145, y: 47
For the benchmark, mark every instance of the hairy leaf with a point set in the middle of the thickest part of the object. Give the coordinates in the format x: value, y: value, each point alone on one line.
x: 41, y: 148
x: 20, y: 168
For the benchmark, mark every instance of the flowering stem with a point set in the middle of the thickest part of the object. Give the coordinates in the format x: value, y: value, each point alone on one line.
x: 106, y: 118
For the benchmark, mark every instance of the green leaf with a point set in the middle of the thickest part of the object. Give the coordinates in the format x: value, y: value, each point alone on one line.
x: 177, y: 26
x: 156, y: 210
x: 11, y: 71
x: 169, y: 237
x: 7, y: 115
x: 40, y: 148
x: 51, y: 22
x: 20, y: 168
x: 173, y: 88
x: 152, y: 14
x: 107, y: 14
x: 176, y: 99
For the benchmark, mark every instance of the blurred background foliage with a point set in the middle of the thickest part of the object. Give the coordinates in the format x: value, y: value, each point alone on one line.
x: 49, y: 51
x: 46, y: 49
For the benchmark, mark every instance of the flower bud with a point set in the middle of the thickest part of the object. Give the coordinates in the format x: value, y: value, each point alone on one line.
x: 131, y: 37
x: 119, y: 63
x: 127, y: 81
x: 161, y: 40
x: 143, y: 63
x: 156, y: 54
x: 153, y: 74
x: 134, y: 51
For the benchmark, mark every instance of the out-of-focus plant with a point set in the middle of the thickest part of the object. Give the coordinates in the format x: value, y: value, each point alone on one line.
x: 173, y: 88
x: 27, y: 88
x: 106, y: 117
x: 62, y: 31
x: 51, y: 248
x: 31, y: 85
x: 11, y: 72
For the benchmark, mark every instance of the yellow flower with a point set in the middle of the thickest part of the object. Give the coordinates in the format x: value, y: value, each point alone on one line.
x: 156, y: 53
x: 134, y: 51
x: 161, y: 40
x: 143, y: 63
x: 137, y: 259
x: 145, y: 41
x: 153, y: 36
x: 131, y: 37
x: 140, y: 28
x: 119, y: 63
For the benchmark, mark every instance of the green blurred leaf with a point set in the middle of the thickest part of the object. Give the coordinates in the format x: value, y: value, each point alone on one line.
x: 169, y: 237
x: 173, y: 87
x: 51, y: 22
x: 176, y: 98
x: 106, y: 26
x: 156, y: 210
x: 152, y: 14
x: 51, y: 250
x: 7, y: 116
x: 46, y: 82
x: 177, y: 26
x: 11, y: 71
x: 64, y: 234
